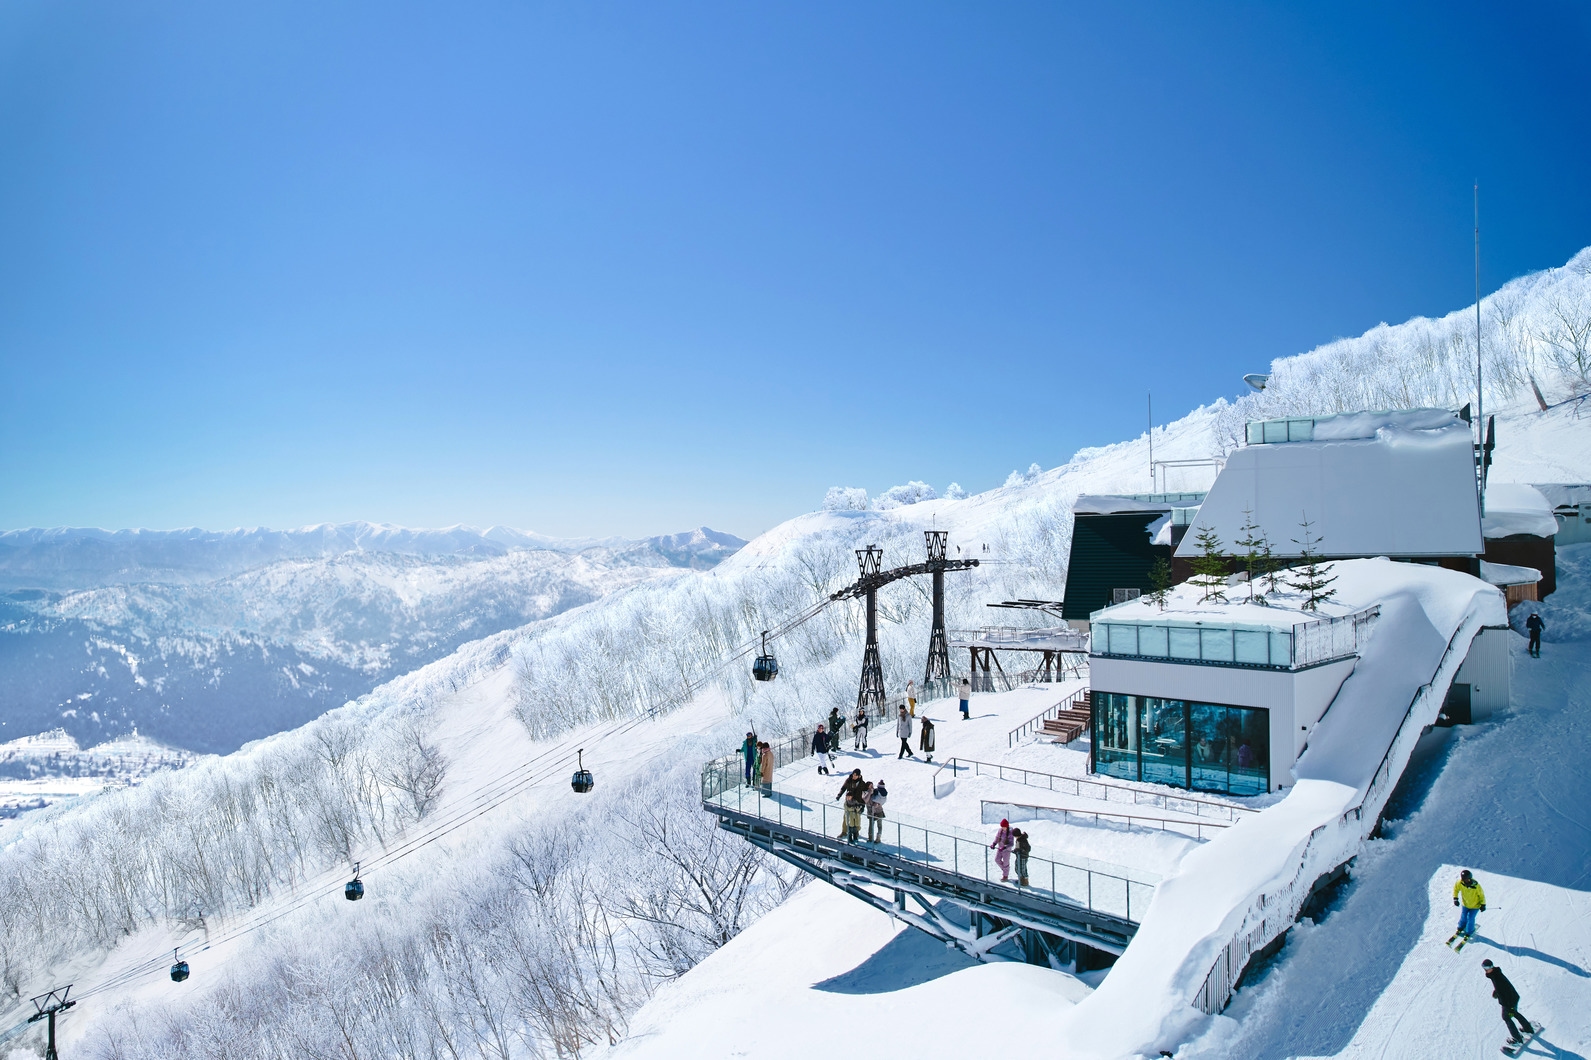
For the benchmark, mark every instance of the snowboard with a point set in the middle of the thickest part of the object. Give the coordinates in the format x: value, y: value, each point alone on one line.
x: 1512, y: 1049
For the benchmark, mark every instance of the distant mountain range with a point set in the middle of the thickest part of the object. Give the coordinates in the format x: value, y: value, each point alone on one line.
x: 207, y: 640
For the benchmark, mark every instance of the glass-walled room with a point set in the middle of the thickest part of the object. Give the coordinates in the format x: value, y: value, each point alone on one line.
x: 1199, y: 746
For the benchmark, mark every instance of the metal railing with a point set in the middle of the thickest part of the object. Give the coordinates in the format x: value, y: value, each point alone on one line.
x: 1021, y: 732
x: 1094, y: 789
x: 1236, y: 644
x: 1082, y: 883
x: 994, y: 810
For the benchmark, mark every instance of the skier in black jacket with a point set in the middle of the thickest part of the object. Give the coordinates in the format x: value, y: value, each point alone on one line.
x: 1507, y: 997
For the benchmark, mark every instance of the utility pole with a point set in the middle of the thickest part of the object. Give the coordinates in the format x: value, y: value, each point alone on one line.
x: 48, y: 1005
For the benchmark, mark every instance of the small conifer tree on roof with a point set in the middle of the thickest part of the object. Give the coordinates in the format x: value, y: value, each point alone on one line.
x: 1311, y: 577
x: 1209, y: 566
x: 1160, y: 581
x: 1249, y: 545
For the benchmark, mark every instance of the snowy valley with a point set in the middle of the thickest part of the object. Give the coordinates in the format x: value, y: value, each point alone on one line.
x: 506, y: 917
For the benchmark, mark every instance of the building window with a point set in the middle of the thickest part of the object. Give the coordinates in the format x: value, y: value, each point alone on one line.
x: 1200, y: 746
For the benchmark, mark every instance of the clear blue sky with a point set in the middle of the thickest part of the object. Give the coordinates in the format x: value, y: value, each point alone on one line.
x: 603, y: 268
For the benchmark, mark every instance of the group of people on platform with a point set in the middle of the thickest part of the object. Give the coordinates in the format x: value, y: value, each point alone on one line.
x: 862, y: 797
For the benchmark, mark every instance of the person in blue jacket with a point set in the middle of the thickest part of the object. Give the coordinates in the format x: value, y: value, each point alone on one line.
x: 748, y: 751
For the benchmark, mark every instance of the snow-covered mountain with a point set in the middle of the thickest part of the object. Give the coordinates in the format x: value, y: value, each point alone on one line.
x: 505, y: 916
x: 189, y: 638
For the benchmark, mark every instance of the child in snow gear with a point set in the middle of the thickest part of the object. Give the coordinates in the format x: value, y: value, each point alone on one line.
x: 903, y: 729
x: 1507, y: 997
x: 926, y: 744
x: 1023, y: 849
x: 1002, y: 850
x: 964, y: 690
x: 1467, y: 894
x: 1534, y: 625
x: 875, y: 812
x: 859, y: 730
x: 911, y: 697
x: 854, y: 791
x: 820, y: 747
x: 748, y: 751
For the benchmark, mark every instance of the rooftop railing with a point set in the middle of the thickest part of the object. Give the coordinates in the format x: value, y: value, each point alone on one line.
x: 1235, y: 644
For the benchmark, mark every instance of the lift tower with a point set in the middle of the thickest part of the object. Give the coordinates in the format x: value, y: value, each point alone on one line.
x: 870, y: 694
x: 48, y: 1005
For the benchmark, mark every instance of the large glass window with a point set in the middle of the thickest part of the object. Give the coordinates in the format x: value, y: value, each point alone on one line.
x: 1204, y: 746
x: 1115, y: 740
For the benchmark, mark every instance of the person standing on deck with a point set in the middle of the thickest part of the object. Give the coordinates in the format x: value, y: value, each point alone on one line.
x: 859, y: 730
x: 964, y: 690
x: 1003, y: 842
x: 903, y: 729
x: 911, y: 697
x: 1508, y: 997
x: 1471, y: 899
x: 820, y: 747
x: 875, y: 812
x: 765, y: 758
x: 1023, y: 849
x: 1534, y: 625
x: 926, y: 743
x: 748, y: 750
x: 854, y: 792
x: 836, y: 729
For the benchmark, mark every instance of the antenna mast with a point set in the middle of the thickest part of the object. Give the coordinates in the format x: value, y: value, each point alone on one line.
x: 1151, y: 399
x: 1480, y: 398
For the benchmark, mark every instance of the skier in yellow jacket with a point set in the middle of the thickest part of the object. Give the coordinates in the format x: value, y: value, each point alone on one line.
x: 1470, y: 899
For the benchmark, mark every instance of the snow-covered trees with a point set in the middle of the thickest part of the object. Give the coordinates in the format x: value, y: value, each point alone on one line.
x: 900, y: 496
x: 845, y: 499
x: 1310, y: 576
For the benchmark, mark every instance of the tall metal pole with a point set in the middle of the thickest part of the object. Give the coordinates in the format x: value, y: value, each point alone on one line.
x: 1480, y: 397
x: 937, y: 671
x: 1150, y: 395
x: 870, y: 693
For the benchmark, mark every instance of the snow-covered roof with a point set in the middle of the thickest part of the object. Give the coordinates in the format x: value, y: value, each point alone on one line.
x: 1400, y: 493
x: 1501, y: 574
x: 1346, y: 425
x: 1565, y: 493
x: 1515, y: 508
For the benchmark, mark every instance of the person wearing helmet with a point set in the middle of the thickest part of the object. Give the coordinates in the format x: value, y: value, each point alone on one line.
x: 1471, y: 899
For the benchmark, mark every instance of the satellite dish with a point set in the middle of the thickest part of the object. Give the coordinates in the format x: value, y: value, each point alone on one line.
x: 1257, y: 380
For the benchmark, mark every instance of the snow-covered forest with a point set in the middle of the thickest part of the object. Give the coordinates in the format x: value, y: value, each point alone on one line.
x: 506, y: 919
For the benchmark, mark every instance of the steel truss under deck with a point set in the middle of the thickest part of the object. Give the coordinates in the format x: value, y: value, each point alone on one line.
x: 1062, y: 936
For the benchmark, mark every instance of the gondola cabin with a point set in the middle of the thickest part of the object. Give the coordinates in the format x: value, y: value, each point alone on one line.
x: 765, y: 667
x: 582, y: 781
x: 355, y: 888
x: 179, y: 970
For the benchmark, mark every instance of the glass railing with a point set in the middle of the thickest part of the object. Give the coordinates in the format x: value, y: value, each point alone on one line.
x: 1235, y: 644
x: 1080, y: 882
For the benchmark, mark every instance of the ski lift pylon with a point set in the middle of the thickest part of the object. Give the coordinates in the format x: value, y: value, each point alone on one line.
x: 582, y: 781
x: 766, y: 667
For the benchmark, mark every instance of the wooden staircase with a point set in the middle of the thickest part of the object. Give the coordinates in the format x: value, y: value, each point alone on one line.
x: 1072, y: 722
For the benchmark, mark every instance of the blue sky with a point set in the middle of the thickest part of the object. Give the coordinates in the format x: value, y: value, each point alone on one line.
x: 606, y: 268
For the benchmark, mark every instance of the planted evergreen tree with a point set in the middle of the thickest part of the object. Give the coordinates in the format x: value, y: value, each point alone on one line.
x: 1268, y: 563
x: 1311, y: 577
x: 1249, y: 544
x: 1160, y: 581
x: 1209, y: 566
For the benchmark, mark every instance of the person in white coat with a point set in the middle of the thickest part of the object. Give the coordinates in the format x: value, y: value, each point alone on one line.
x: 859, y: 730
x: 903, y: 729
x: 964, y: 690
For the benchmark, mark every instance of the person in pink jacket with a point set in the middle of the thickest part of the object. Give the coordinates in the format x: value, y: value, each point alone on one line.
x: 1003, y: 842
